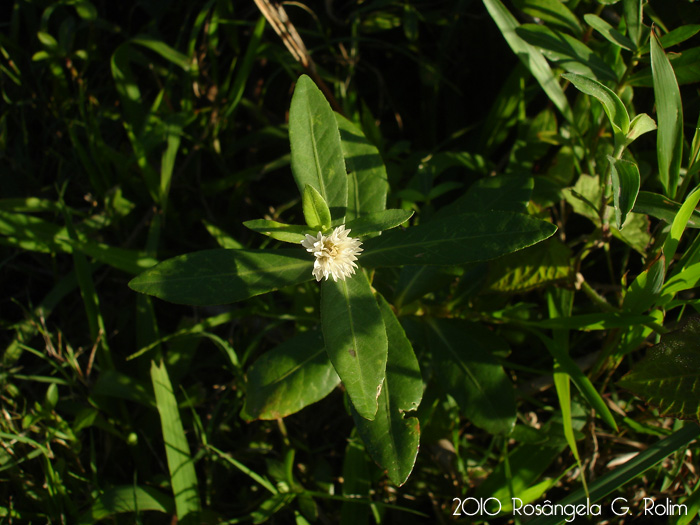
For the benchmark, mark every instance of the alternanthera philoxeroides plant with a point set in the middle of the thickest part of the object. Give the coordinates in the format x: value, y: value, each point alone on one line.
x: 359, y: 340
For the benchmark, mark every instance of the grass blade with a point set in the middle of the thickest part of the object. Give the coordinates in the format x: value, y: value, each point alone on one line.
x: 183, y: 477
x: 530, y: 56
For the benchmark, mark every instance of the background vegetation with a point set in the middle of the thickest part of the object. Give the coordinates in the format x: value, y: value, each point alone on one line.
x: 132, y: 132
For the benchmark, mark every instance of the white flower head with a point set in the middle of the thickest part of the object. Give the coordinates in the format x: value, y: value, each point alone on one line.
x: 335, y: 254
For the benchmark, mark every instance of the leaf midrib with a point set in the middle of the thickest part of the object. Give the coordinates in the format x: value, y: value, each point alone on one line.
x: 274, y: 269
x: 449, y: 239
x: 294, y: 369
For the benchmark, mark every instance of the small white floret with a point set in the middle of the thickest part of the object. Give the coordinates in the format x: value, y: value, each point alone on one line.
x: 335, y: 254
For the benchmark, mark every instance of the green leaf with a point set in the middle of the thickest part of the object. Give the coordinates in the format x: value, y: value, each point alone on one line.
x: 669, y: 141
x: 317, y: 157
x: 499, y: 193
x: 164, y: 50
x: 367, y: 181
x: 633, y: 19
x: 244, y: 66
x: 316, y: 212
x: 685, y: 67
x: 544, y: 263
x: 566, y: 52
x: 132, y: 499
x: 679, y: 224
x: 223, y: 276
x: 355, y: 339
x: 378, y: 221
x: 625, y: 186
x: 568, y: 365
x: 613, y: 106
x: 644, y: 290
x: 47, y: 40
x: 390, y: 439
x: 640, y: 125
x: 292, y: 233
x: 289, y: 377
x: 585, y: 196
x: 562, y: 384
x: 223, y: 239
x: 85, y: 10
x: 636, y: 233
x: 669, y: 375
x: 183, y: 478
x: 609, y: 32
x: 530, y: 56
x: 552, y: 12
x: 679, y: 35
x: 35, y: 234
x: 456, y: 239
x: 686, y: 279
x: 467, y: 370
x: 662, y: 208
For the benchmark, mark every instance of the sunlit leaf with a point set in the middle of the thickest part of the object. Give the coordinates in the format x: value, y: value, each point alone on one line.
x: 669, y: 142
x: 392, y: 438
x: 355, y: 339
x: 224, y: 276
x: 288, y: 378
x: 317, y: 157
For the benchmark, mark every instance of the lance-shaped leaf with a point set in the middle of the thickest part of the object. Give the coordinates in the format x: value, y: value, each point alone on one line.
x: 456, y: 239
x: 633, y: 19
x: 680, y: 223
x: 355, y: 339
x: 378, y: 221
x: 644, y: 290
x: 625, y: 184
x: 669, y: 376
x: 662, y: 208
x: 392, y: 440
x: 669, y: 137
x: 566, y: 51
x: 316, y: 212
x: 471, y: 375
x: 293, y: 233
x: 288, y: 378
x: 551, y: 12
x: 609, y: 32
x: 367, y: 180
x: 529, y: 55
x: 317, y: 157
x: 613, y: 106
x: 223, y: 276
